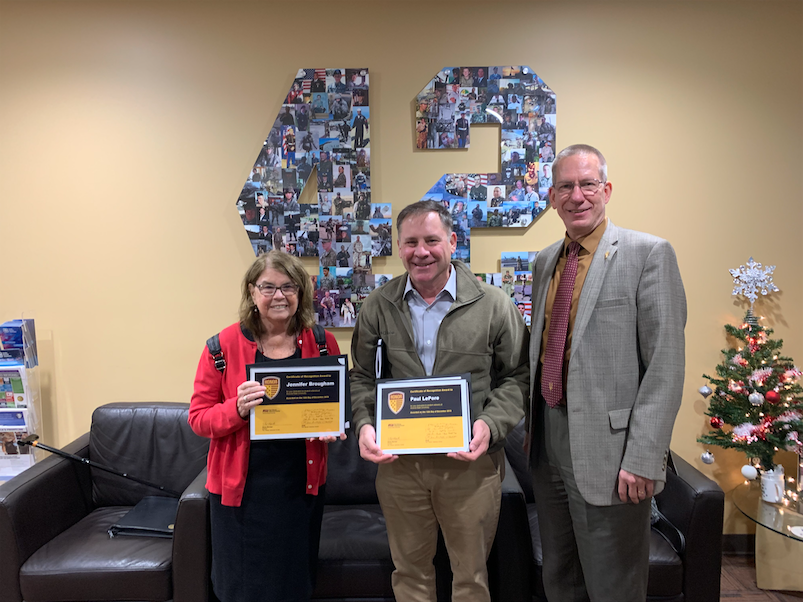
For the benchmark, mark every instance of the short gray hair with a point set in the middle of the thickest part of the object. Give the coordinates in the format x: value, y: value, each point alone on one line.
x: 581, y: 149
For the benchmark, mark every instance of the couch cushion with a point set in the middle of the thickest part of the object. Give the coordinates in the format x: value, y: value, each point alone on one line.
x: 153, y: 442
x: 350, y: 479
x: 514, y: 451
x: 535, y: 533
x: 84, y: 563
x: 354, y: 557
x: 666, y: 568
x: 354, y: 532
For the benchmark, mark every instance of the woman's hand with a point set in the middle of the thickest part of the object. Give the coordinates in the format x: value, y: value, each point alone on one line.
x: 249, y: 396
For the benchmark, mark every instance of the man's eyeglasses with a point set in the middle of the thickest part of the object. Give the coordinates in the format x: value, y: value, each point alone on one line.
x: 268, y: 290
x: 587, y: 187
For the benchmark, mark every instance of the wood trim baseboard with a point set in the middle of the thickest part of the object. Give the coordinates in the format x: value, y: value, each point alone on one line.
x: 741, y: 544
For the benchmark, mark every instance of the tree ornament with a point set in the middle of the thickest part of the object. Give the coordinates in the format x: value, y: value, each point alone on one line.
x: 756, y: 398
x: 738, y: 360
x: 751, y: 280
x: 749, y: 472
x: 760, y: 376
x: 707, y: 457
x: 791, y: 374
x: 705, y: 391
x: 716, y: 422
x: 773, y: 396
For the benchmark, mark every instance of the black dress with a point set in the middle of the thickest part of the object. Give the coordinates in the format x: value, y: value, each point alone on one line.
x: 267, y: 548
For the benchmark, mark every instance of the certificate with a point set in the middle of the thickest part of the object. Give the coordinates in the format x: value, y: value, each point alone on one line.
x: 423, y: 415
x: 303, y: 398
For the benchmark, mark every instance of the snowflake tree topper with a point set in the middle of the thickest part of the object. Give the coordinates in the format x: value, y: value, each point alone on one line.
x: 751, y: 279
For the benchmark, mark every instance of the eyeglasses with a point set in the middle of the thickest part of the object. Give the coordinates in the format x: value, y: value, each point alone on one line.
x: 268, y: 290
x: 587, y: 187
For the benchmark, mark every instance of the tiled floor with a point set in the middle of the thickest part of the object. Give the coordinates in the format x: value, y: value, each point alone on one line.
x: 739, y: 583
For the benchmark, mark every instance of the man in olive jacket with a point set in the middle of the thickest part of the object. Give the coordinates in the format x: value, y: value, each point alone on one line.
x: 437, y: 319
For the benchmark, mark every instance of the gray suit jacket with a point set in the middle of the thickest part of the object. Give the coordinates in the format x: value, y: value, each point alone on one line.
x: 626, y: 369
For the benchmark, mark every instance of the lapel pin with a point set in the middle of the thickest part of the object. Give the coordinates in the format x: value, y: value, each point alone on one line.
x: 606, y: 254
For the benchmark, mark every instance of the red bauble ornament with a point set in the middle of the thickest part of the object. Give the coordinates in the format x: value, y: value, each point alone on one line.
x: 717, y: 422
x: 772, y: 396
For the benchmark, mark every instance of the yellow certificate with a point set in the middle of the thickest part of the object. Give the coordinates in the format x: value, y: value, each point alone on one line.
x: 424, y: 415
x: 303, y: 398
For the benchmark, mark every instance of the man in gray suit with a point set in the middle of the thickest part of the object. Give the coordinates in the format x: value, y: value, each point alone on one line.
x: 607, y: 366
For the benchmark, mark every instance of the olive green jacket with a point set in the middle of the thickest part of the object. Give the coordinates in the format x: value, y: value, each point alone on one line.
x: 483, y: 334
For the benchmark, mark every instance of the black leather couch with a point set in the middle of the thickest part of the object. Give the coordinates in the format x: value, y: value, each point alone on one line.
x: 685, y: 546
x: 54, y: 516
x: 48, y: 512
x: 354, y: 558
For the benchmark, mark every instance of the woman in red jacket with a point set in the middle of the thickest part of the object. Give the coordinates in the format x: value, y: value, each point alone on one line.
x: 266, y: 497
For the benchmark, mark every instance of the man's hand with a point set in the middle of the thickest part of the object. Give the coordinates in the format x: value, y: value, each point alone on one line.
x: 369, y: 450
x: 634, y: 488
x: 480, y: 440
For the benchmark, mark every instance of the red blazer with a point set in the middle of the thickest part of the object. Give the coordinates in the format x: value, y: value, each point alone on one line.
x: 213, y: 414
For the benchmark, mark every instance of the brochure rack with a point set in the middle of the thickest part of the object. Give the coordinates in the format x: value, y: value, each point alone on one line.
x: 20, y: 396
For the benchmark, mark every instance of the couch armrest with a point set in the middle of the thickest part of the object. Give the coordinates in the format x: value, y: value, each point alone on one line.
x: 695, y: 505
x: 192, y: 552
x: 510, y: 561
x: 29, y: 518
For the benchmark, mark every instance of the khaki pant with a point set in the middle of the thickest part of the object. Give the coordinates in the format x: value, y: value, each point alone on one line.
x: 419, y: 492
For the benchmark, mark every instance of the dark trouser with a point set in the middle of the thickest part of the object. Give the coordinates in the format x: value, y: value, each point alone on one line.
x: 597, y: 553
x: 266, y: 549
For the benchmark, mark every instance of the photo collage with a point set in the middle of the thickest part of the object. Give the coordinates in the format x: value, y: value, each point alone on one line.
x: 322, y: 131
x: 513, y: 97
x: 515, y: 279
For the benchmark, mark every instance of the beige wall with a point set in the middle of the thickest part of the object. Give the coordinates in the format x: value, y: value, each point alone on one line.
x: 128, y: 128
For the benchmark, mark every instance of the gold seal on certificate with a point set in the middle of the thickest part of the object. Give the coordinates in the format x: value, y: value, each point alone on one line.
x: 303, y: 398
x: 423, y: 415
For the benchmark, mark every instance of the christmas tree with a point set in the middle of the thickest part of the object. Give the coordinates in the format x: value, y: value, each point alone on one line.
x: 756, y: 405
